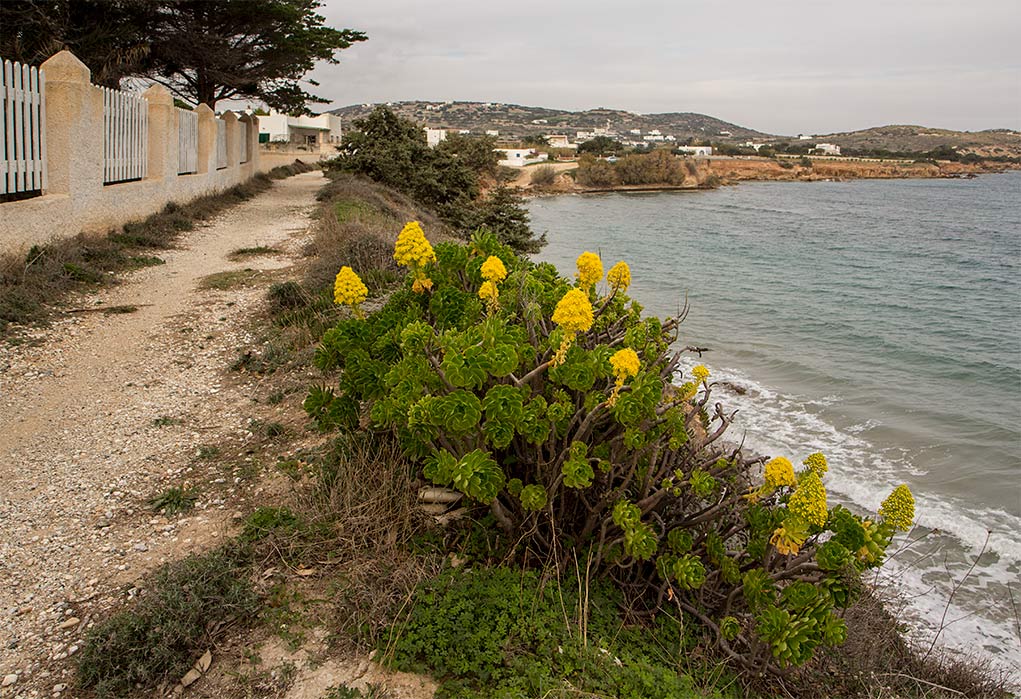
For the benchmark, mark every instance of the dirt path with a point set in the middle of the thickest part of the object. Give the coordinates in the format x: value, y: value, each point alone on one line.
x: 106, y: 411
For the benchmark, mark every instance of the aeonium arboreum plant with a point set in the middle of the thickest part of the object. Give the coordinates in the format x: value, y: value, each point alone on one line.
x: 553, y: 403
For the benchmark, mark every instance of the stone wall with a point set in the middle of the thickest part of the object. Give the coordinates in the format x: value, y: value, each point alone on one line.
x: 76, y: 200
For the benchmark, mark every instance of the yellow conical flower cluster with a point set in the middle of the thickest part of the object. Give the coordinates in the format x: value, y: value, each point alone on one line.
x: 414, y: 251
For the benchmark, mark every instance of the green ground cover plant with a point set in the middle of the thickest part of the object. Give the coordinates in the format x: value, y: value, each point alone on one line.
x: 511, y: 634
x: 553, y: 403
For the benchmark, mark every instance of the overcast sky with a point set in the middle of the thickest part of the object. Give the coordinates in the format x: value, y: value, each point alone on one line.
x: 782, y: 66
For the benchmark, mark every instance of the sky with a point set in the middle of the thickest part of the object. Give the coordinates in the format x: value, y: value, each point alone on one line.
x: 779, y: 66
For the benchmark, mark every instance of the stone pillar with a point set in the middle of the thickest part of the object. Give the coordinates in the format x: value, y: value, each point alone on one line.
x: 252, y: 166
x: 233, y: 144
x: 74, y: 129
x: 207, y: 139
x: 163, y: 151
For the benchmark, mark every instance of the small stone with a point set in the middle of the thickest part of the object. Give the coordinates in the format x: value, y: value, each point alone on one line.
x: 9, y: 680
x: 68, y: 623
x: 141, y: 547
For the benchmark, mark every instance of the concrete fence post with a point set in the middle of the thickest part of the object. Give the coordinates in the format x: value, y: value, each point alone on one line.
x: 207, y: 138
x: 233, y: 145
x: 253, y: 144
x: 163, y: 151
x: 74, y: 128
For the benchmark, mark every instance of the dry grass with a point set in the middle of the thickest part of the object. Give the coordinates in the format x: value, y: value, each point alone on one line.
x: 32, y: 285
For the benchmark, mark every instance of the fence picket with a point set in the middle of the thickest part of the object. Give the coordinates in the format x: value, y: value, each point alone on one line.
x: 126, y: 136
x: 221, y: 144
x: 187, y: 142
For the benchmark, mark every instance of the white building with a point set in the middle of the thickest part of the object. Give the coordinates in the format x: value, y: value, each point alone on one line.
x: 653, y: 137
x: 698, y: 151
x: 828, y: 148
x: 492, y: 132
x: 316, y: 132
x: 803, y: 137
x: 434, y: 136
x: 750, y: 144
x: 558, y: 140
x: 519, y: 157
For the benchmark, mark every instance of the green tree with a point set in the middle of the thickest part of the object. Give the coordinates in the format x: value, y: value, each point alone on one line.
x: 602, y: 146
x: 202, y: 51
x: 477, y: 152
x: 394, y: 152
x: 229, y: 49
x: 111, y: 37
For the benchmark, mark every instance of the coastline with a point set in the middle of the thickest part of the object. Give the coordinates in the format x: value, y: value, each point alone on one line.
x: 713, y: 173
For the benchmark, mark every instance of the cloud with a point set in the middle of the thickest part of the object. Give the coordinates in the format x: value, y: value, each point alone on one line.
x: 783, y: 67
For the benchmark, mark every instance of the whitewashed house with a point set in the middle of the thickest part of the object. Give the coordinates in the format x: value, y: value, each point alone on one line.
x: 315, y: 132
x: 492, y: 132
x: 828, y: 148
x: 697, y: 151
x: 434, y: 136
x: 519, y: 157
x: 559, y: 141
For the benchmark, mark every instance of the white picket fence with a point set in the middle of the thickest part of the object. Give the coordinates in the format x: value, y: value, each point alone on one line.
x: 22, y: 129
x: 221, y: 144
x: 187, y: 142
x: 243, y: 128
x: 125, y: 136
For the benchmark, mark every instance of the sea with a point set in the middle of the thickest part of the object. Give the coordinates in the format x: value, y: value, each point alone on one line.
x: 877, y: 321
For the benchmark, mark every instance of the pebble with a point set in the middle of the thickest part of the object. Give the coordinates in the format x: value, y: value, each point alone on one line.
x: 9, y: 680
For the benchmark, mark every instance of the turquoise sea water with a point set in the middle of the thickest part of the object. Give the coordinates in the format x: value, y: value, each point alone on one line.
x: 878, y: 321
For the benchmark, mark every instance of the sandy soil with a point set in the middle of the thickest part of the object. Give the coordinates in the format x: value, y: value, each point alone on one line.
x: 99, y: 413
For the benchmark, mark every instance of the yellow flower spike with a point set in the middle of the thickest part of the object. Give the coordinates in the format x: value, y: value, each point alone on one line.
x: 590, y: 270
x: 779, y: 472
x: 809, y: 500
x: 493, y: 269
x: 817, y: 463
x: 619, y: 276
x: 899, y: 508
x: 625, y: 365
x: 348, y: 289
x: 491, y: 295
x: 574, y: 314
x: 413, y: 250
x: 700, y: 373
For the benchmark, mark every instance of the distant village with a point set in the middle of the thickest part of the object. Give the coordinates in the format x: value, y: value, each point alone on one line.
x: 323, y: 132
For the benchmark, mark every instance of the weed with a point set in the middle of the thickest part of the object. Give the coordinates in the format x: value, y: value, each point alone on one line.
x: 274, y: 430
x: 232, y: 279
x: 166, y: 421
x: 371, y: 691
x: 173, y: 501
x: 140, y: 261
x: 170, y: 624
x: 253, y: 251
x: 119, y: 310
x: 276, y: 397
x: 290, y: 467
x: 269, y: 520
x: 207, y: 452
x: 286, y: 296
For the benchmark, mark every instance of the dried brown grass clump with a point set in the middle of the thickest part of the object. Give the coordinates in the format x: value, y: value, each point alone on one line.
x: 365, y: 492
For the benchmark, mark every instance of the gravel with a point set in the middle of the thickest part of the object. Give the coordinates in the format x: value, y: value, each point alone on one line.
x: 82, y: 448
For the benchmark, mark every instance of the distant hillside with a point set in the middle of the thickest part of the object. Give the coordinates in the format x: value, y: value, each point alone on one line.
x: 514, y: 120
x: 918, y: 139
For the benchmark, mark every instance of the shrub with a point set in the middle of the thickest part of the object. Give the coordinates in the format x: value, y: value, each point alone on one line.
x: 168, y: 627
x: 553, y: 404
x: 544, y: 176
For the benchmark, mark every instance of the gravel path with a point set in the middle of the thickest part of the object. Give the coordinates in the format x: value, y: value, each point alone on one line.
x: 105, y: 411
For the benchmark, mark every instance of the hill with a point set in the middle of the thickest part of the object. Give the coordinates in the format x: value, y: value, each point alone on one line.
x: 919, y: 139
x: 515, y: 120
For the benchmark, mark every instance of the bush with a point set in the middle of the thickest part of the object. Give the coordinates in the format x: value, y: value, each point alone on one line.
x: 393, y: 151
x: 544, y: 176
x: 593, y: 172
x: 167, y: 629
x: 552, y: 404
